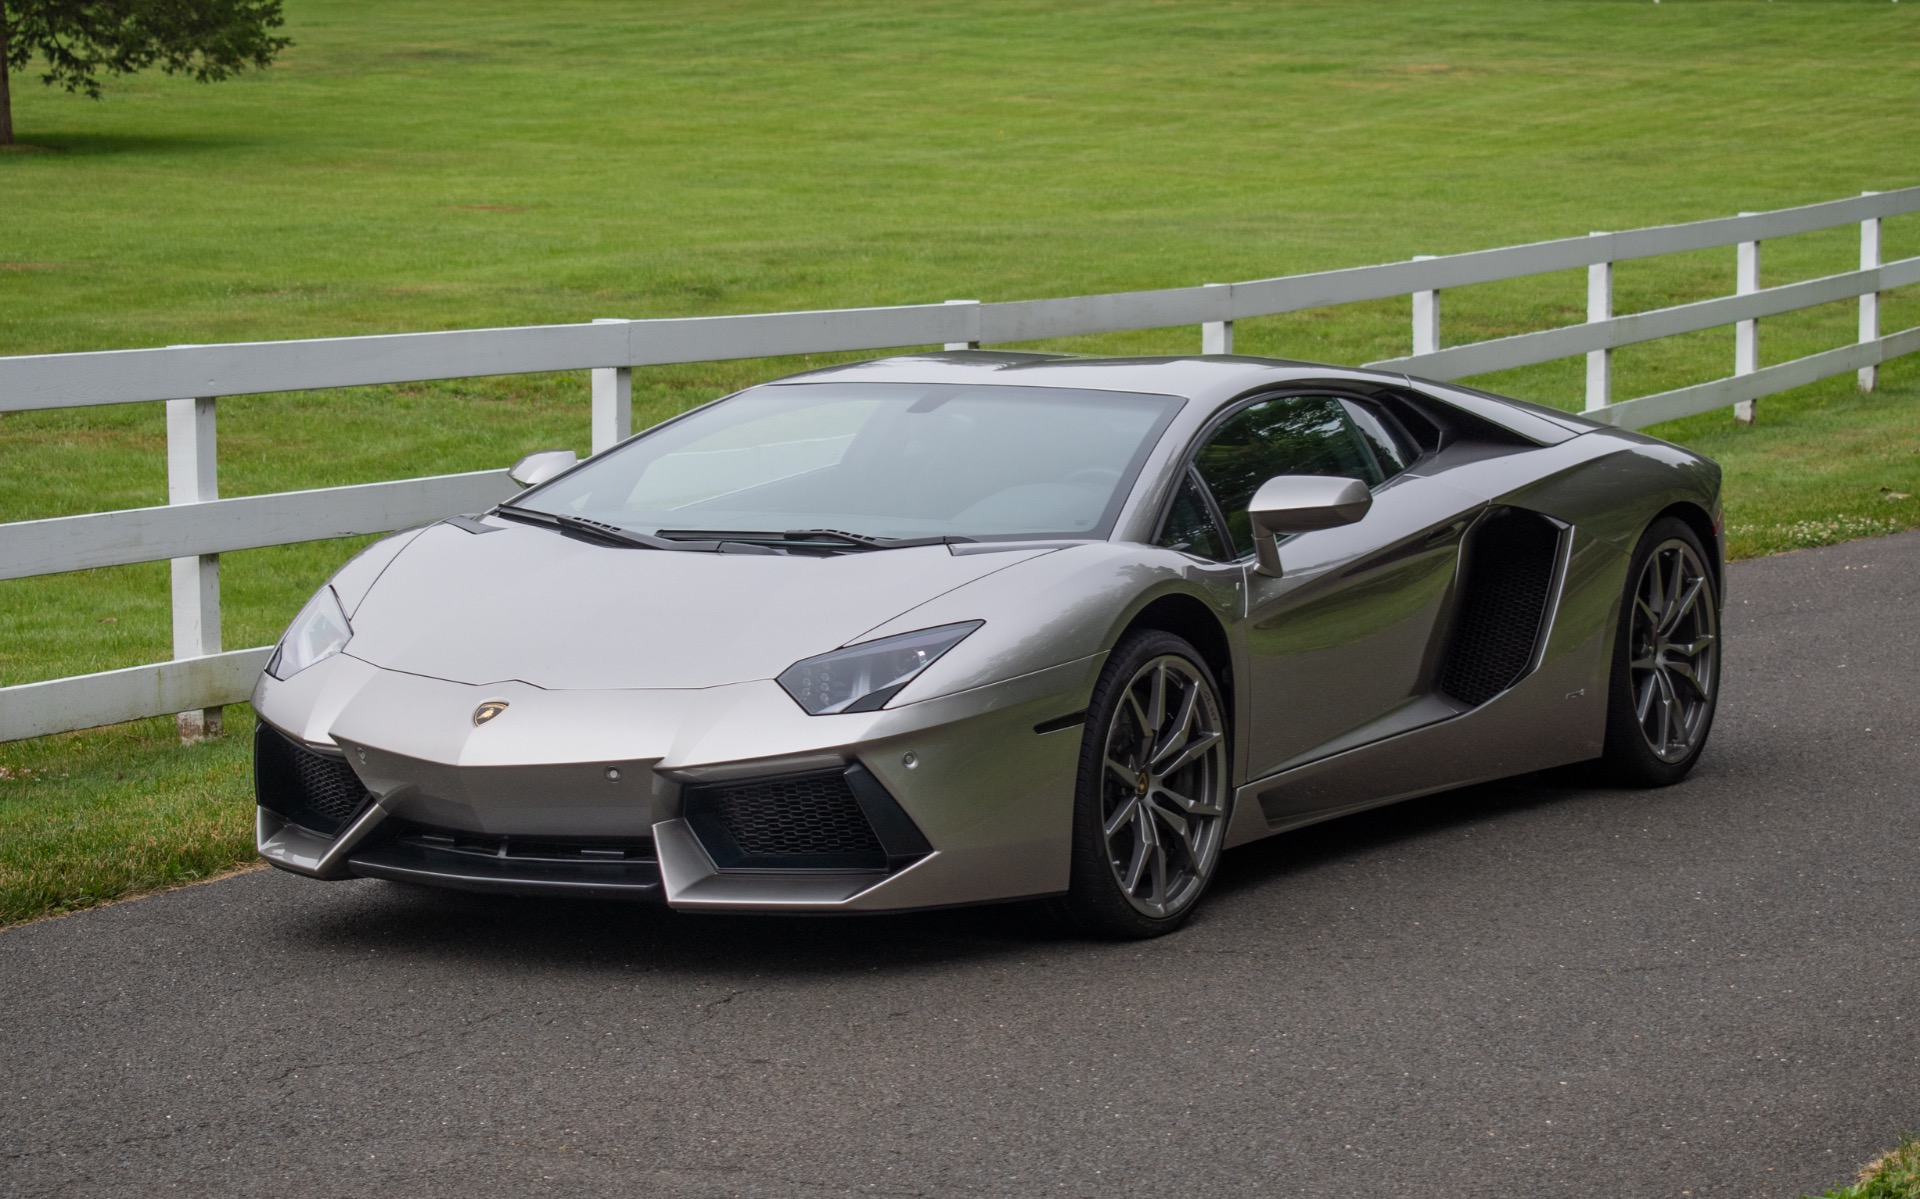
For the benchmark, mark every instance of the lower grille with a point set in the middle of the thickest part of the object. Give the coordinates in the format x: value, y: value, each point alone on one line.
x: 1506, y: 581
x: 526, y: 849
x: 607, y: 867
x: 314, y: 790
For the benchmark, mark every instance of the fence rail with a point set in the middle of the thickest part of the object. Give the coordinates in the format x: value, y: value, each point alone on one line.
x: 196, y: 526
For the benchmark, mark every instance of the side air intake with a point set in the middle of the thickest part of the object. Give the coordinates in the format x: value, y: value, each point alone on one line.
x: 314, y: 790
x: 1506, y: 580
x: 823, y: 820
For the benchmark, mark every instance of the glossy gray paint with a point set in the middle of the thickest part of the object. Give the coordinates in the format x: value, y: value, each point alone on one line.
x: 1301, y: 504
x: 659, y: 665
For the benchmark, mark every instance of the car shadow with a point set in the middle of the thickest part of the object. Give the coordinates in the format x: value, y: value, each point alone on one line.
x: 424, y: 922
x: 432, y: 924
x: 1268, y: 861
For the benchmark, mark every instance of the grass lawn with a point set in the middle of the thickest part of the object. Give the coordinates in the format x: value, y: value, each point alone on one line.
x: 434, y: 165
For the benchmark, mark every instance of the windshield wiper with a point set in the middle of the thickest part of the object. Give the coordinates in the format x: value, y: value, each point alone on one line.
x: 808, y: 538
x: 588, y: 529
x: 877, y: 543
x: 716, y: 540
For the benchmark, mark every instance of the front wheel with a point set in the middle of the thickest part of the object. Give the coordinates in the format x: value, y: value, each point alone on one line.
x: 1665, y: 679
x: 1150, y: 809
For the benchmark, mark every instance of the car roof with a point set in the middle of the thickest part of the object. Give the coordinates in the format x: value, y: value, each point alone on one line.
x: 1209, y: 380
x: 1193, y: 377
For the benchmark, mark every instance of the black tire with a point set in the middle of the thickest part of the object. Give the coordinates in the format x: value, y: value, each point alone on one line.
x: 1664, y: 683
x: 1168, y: 817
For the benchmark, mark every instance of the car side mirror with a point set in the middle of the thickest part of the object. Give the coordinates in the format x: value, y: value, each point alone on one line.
x: 1301, y: 504
x: 541, y: 465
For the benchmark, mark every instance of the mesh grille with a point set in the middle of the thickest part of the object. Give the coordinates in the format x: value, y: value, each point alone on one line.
x: 1507, y: 576
x: 805, y: 814
x: 317, y: 791
x: 331, y: 786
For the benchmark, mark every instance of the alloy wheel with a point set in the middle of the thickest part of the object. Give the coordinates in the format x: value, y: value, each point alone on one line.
x: 1674, y: 645
x: 1164, y: 786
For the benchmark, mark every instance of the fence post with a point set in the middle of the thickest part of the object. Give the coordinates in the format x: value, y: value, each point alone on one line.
x: 1599, y: 308
x: 612, y: 400
x: 1869, y: 300
x: 1746, y: 334
x: 973, y: 326
x: 1426, y: 317
x: 1216, y: 337
x: 192, y: 478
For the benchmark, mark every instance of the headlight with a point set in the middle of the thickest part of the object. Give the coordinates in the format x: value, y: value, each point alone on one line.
x: 318, y: 633
x: 861, y: 678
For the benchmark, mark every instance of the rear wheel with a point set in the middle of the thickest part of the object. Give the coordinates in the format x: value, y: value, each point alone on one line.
x: 1666, y: 660
x: 1150, y: 811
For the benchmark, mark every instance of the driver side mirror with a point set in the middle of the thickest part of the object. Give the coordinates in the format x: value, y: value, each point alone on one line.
x: 541, y: 465
x: 1301, y: 504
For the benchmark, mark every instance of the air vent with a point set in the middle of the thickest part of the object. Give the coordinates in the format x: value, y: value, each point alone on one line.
x: 821, y: 820
x: 314, y: 790
x: 1506, y: 580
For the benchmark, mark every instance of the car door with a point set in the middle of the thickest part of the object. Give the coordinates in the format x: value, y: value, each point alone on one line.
x: 1346, y: 639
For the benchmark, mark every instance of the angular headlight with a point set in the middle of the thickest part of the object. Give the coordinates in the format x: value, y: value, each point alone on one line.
x: 318, y: 633
x: 861, y: 678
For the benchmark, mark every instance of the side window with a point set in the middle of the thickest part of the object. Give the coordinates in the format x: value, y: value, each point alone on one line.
x: 1190, y: 526
x: 1287, y: 435
x: 1392, y: 448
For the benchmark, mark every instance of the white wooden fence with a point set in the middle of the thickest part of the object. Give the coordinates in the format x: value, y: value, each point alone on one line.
x: 196, y: 526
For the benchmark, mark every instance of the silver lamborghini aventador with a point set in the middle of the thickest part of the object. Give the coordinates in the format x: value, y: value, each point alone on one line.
x: 966, y: 627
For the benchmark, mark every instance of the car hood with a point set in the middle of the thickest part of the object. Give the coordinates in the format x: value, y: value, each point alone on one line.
x: 528, y: 603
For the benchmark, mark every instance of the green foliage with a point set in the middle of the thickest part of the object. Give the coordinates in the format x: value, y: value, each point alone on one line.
x: 1894, y: 1176
x: 205, y: 40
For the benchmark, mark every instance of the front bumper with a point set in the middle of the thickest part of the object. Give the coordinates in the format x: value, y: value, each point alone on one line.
x: 601, y: 792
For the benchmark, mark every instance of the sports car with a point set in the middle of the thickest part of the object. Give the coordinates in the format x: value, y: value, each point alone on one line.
x: 965, y: 627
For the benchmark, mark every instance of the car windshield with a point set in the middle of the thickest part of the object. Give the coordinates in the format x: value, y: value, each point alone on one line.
x: 877, y: 460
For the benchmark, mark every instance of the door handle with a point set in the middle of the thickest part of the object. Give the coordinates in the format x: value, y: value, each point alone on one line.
x: 1443, y: 533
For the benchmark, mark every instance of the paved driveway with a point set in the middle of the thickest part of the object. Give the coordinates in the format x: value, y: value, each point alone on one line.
x: 1528, y: 989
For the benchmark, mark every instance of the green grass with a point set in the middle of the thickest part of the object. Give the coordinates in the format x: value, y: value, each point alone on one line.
x: 430, y: 165
x: 1895, y: 1175
x: 89, y: 817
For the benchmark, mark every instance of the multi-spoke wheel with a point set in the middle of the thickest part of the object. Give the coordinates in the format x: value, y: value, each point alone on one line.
x: 1152, y: 806
x: 1666, y: 669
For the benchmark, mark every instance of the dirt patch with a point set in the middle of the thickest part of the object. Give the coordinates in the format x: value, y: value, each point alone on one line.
x: 29, y: 266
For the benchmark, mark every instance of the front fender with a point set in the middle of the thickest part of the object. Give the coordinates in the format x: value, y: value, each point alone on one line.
x: 1057, y: 608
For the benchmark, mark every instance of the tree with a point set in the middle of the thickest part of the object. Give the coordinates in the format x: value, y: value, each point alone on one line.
x: 80, y: 40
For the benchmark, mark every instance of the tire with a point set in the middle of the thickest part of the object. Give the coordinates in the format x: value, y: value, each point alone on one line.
x: 1665, y: 679
x: 1150, y: 813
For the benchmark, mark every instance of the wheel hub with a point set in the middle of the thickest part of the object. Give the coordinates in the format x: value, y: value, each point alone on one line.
x: 1675, y: 638
x: 1164, y: 801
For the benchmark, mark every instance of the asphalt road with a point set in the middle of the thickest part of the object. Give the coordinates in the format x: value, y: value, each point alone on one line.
x: 1529, y: 989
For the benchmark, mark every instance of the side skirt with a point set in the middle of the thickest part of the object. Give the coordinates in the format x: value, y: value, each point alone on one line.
x: 1549, y: 719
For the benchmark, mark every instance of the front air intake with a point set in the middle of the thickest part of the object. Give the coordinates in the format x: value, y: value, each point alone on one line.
x: 1506, y: 580
x: 314, y: 790
x: 821, y: 820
